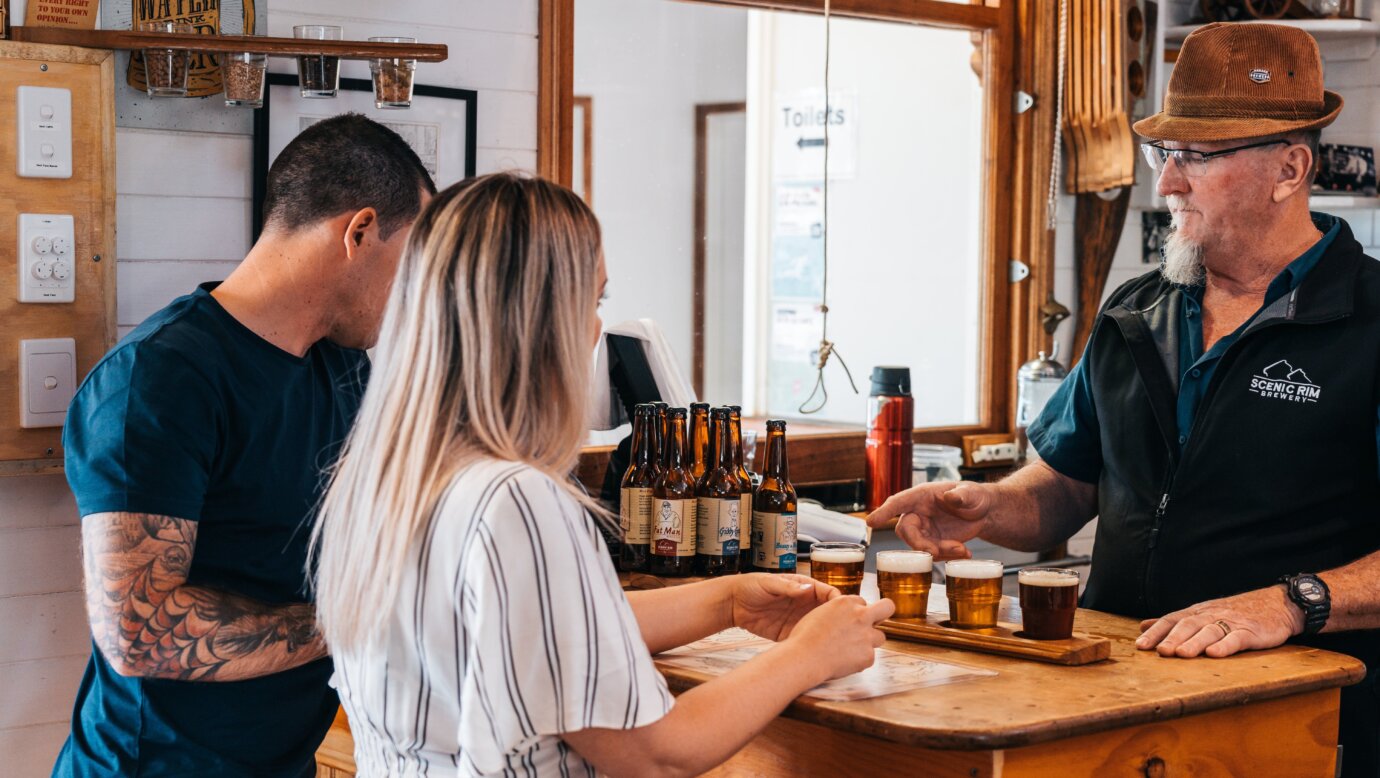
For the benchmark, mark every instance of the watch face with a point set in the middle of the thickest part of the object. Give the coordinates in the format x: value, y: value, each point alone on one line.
x: 1310, y: 591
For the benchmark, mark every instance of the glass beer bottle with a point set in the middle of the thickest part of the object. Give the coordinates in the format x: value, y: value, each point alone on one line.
x: 673, y: 506
x: 699, y: 440
x: 660, y: 425
x: 718, y: 498
x: 773, y: 508
x: 744, y: 483
x: 635, y: 498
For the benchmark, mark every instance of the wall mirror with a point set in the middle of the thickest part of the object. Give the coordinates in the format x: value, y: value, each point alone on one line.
x: 699, y: 137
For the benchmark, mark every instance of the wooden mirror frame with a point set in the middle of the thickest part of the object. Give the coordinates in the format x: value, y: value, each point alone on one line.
x: 1017, y: 42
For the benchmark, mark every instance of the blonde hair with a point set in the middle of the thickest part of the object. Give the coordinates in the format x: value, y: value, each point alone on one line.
x: 484, y: 351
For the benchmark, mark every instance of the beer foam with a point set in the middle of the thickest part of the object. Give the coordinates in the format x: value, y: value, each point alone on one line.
x: 904, y: 562
x: 1046, y: 578
x: 837, y: 556
x: 973, y: 568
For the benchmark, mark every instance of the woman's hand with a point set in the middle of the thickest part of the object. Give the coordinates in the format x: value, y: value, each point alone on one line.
x: 770, y: 605
x: 841, y: 637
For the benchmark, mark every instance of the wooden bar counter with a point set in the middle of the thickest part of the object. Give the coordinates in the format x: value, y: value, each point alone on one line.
x: 1264, y: 713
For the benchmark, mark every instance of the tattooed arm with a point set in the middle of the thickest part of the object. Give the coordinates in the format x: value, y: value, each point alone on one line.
x: 148, y: 622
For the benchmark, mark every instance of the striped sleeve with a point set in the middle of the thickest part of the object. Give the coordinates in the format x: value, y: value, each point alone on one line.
x: 555, y: 647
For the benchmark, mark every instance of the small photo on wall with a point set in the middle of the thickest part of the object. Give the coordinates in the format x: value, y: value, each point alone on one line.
x: 1349, y: 169
x: 1154, y: 229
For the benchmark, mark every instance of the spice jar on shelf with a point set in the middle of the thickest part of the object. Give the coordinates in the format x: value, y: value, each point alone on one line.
x: 393, y: 77
x: 244, y: 73
x: 318, y: 74
x: 166, y: 69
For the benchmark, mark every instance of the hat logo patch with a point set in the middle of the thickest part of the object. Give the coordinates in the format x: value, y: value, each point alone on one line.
x: 1260, y: 76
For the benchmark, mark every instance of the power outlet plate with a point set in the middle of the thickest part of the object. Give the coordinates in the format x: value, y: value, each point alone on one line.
x: 47, y: 258
x: 989, y: 450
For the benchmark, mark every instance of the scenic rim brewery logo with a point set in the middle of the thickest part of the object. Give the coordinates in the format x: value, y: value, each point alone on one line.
x: 1283, y: 381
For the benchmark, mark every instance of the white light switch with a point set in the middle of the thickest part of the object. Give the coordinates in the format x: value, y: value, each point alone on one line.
x: 46, y: 258
x: 47, y: 381
x: 45, y: 132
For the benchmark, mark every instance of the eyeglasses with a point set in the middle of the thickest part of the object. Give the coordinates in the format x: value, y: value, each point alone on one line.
x: 1194, y: 163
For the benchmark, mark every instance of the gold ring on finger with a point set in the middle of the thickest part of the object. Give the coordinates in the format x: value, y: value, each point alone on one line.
x: 1224, y: 626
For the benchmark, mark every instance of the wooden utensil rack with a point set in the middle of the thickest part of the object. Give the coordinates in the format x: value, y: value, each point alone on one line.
x: 278, y: 47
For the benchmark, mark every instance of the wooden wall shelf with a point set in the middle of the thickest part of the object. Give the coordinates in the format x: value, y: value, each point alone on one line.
x: 278, y: 47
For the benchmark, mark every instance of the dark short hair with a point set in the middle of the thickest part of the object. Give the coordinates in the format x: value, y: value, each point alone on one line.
x: 345, y: 163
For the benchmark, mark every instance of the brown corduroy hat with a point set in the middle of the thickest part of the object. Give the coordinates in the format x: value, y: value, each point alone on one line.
x: 1236, y: 81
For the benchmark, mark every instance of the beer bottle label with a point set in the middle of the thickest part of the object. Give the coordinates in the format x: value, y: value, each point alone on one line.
x: 773, y: 540
x: 635, y: 511
x: 673, y: 527
x: 719, y: 526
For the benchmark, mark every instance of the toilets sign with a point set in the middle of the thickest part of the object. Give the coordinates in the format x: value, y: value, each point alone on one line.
x: 798, y: 124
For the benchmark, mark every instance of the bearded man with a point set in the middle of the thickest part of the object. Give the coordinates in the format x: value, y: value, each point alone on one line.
x: 1222, y: 422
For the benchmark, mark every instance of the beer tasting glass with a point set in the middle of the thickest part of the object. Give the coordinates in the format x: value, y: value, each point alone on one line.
x: 974, y: 589
x: 839, y: 565
x: 904, y: 577
x: 1049, y: 598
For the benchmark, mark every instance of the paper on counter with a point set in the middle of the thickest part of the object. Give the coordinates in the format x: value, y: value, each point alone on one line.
x: 892, y: 673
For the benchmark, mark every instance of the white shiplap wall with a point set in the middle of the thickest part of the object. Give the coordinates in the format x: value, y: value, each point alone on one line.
x: 184, y: 217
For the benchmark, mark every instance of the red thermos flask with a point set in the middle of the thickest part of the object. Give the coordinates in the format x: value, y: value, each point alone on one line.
x: 890, y: 421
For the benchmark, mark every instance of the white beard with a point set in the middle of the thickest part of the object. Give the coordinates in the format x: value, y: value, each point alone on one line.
x: 1183, y: 261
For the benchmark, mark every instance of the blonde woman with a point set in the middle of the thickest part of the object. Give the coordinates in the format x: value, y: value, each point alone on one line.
x: 476, y: 621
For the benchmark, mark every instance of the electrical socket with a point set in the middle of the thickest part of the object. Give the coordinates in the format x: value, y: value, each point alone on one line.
x: 995, y: 452
x: 989, y: 450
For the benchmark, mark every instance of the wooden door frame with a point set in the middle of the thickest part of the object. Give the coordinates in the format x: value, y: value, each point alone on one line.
x: 1015, y: 151
x: 586, y: 104
x: 702, y: 113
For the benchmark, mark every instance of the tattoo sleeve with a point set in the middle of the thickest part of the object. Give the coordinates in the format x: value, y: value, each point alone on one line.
x: 148, y: 622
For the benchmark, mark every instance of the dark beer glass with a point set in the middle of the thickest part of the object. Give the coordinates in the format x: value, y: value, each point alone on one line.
x: 1049, y: 599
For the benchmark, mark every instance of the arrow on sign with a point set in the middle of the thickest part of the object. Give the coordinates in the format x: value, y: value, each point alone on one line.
x: 804, y: 142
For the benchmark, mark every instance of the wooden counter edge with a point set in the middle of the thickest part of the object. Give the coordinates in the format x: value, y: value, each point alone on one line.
x: 1347, y: 672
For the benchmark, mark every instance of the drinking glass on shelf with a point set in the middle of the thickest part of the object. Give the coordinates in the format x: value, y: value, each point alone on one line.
x: 392, y: 77
x: 165, y: 70
x: 318, y: 75
x: 244, y: 73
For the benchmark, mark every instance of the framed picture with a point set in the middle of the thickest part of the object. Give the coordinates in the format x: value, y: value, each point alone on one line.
x: 440, y: 126
x: 1349, y: 169
x: 1154, y: 230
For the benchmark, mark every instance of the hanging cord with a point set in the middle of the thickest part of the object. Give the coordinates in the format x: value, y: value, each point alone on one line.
x: 1057, y: 153
x: 826, y: 347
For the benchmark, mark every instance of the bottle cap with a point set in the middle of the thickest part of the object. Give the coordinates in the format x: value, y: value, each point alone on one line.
x: 890, y: 381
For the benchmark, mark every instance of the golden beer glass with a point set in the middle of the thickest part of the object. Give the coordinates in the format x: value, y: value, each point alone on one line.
x: 974, y: 589
x: 904, y: 577
x: 839, y: 565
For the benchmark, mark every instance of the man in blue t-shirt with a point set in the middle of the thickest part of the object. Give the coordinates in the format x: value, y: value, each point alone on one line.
x: 197, y: 450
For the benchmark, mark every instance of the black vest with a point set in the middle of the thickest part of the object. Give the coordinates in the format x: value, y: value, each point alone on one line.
x: 1279, y: 475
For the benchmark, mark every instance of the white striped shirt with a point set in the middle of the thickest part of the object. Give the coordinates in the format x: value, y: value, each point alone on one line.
x: 510, y: 628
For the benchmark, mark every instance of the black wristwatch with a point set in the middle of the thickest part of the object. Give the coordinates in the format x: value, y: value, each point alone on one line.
x: 1311, y: 594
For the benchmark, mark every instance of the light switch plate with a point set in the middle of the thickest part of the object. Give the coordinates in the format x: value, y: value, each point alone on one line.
x: 47, y: 381
x: 47, y: 258
x: 45, y: 132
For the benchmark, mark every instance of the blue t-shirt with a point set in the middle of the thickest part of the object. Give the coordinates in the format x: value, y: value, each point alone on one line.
x: 1066, y: 434
x: 196, y: 417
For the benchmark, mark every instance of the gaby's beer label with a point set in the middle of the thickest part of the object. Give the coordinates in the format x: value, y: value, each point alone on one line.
x: 673, y: 527
x: 773, y: 540
x: 719, y: 526
x: 635, y: 512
